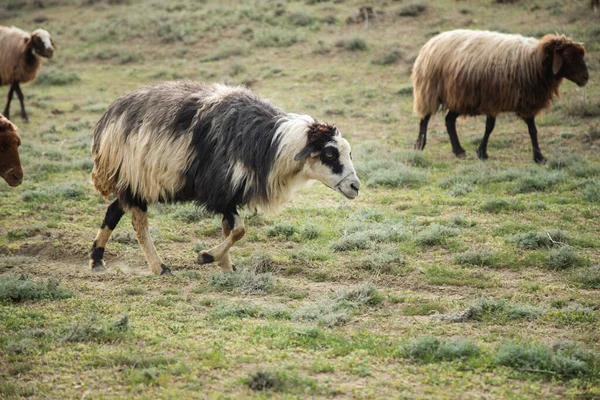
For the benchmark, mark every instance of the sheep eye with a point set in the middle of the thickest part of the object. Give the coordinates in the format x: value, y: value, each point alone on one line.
x: 329, y: 154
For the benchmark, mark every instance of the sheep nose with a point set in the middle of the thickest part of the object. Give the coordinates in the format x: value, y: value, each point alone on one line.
x: 355, y: 185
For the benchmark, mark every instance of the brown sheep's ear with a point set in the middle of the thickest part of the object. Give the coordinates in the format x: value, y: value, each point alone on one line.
x: 28, y: 43
x: 557, y: 62
x: 53, y: 44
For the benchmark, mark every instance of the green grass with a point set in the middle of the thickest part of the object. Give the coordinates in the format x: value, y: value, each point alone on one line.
x: 412, y: 290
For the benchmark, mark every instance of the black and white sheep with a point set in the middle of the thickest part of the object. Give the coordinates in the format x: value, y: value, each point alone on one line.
x: 221, y: 147
x: 21, y: 56
x: 480, y: 72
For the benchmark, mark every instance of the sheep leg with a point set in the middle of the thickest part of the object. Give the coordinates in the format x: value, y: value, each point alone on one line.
x: 225, y: 262
x: 490, y: 122
x: 422, y: 139
x: 20, y: 96
x: 537, y: 153
x: 114, y: 212
x: 217, y: 253
x: 451, y: 127
x: 139, y: 218
x: 8, y: 100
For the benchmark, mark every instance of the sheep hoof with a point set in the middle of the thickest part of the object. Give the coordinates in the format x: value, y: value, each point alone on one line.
x: 540, y: 160
x: 481, y: 155
x: 461, y: 154
x: 205, y: 258
x: 164, y: 270
x: 97, y: 266
x: 420, y: 145
x: 233, y: 268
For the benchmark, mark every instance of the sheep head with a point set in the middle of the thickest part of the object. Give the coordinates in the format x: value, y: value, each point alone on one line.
x: 41, y: 42
x: 566, y: 58
x: 329, y: 159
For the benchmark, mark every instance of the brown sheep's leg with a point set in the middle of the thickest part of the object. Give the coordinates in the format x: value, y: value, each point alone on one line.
x: 537, y: 153
x: 20, y: 95
x: 490, y: 122
x: 114, y: 212
x: 451, y: 127
x: 8, y: 100
x: 220, y: 252
x: 139, y: 219
x: 422, y: 139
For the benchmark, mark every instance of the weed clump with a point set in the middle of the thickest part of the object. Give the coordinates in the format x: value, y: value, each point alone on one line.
x: 493, y: 310
x: 388, y: 57
x: 540, y: 239
x: 476, y: 258
x: 94, y: 330
x: 282, y: 229
x: 435, y: 234
x: 591, y: 192
x: 23, y: 287
x: 495, y: 206
x: 429, y: 349
x: 338, y: 308
x: 189, y: 213
x: 354, y: 44
x: 383, y: 261
x: 363, y: 236
x: 276, y: 37
x: 396, y: 177
x: 311, y: 231
x: 587, y: 277
x: 564, y: 257
x: 301, y: 19
x: 413, y: 158
x: 536, y: 358
x: 413, y: 9
x: 248, y: 310
x: 461, y: 189
x: 539, y: 182
x: 56, y: 78
x: 245, y: 282
x: 264, y: 380
x: 261, y: 263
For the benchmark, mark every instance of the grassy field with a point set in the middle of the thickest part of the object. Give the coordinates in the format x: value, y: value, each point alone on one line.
x: 446, y: 278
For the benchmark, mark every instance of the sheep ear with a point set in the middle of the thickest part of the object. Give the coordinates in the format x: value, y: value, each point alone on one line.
x: 305, y: 152
x: 557, y: 62
x: 53, y: 44
x: 28, y: 43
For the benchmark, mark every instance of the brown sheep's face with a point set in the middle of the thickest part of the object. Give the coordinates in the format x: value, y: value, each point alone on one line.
x: 10, y: 163
x: 572, y: 66
x: 42, y: 44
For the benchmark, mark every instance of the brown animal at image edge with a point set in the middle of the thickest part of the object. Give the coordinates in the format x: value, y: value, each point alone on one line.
x: 488, y: 73
x: 21, y: 56
x: 10, y: 162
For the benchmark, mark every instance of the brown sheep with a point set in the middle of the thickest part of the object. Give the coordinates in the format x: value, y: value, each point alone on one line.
x: 487, y: 73
x: 20, y: 60
x: 10, y: 163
